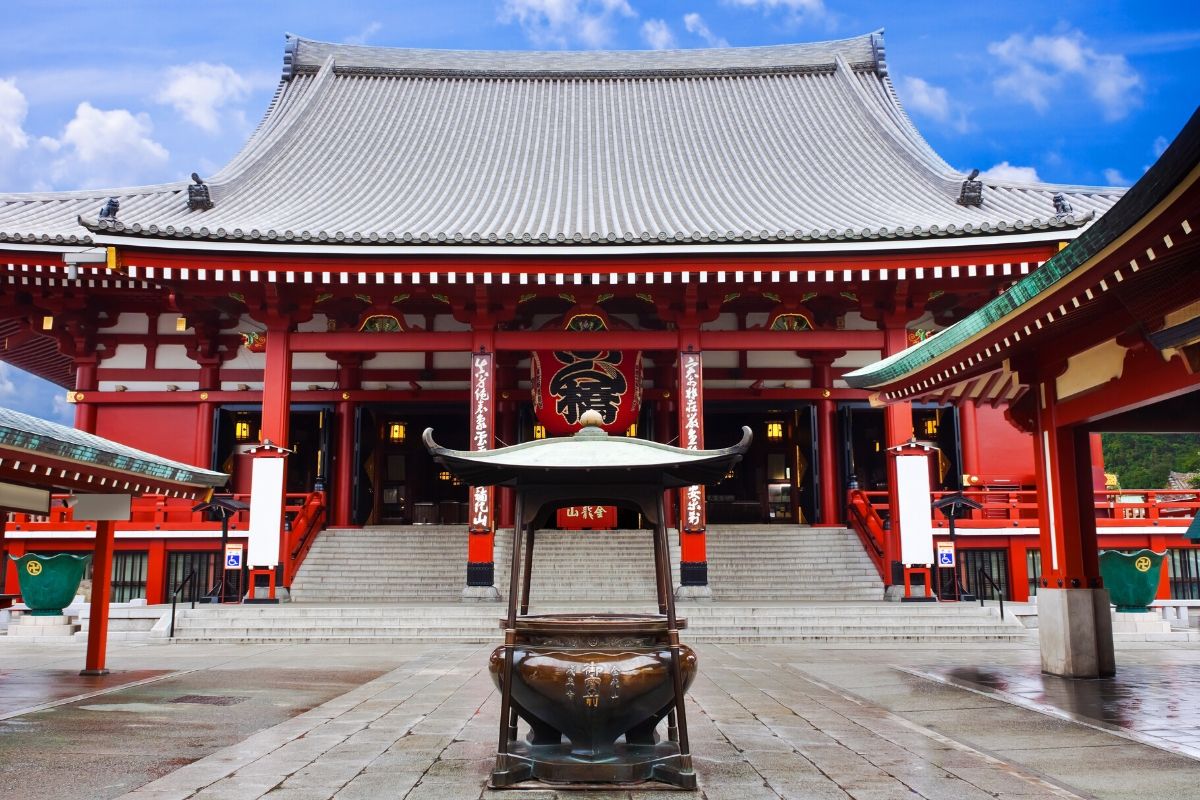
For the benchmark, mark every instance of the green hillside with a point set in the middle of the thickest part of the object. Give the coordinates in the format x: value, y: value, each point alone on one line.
x: 1143, y: 460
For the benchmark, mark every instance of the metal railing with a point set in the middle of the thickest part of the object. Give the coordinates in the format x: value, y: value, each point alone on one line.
x: 191, y: 577
x: 982, y: 576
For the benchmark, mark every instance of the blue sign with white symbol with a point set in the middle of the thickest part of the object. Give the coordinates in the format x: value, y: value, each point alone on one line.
x: 233, y: 560
x: 945, y: 554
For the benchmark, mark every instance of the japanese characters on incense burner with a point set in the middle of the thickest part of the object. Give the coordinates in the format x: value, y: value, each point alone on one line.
x: 566, y: 383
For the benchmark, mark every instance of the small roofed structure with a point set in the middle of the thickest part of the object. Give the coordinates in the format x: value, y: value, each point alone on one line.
x: 1105, y: 336
x: 38, y: 457
x: 602, y: 682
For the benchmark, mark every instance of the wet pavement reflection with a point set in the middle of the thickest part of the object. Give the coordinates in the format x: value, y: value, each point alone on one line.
x: 1158, y: 704
x: 22, y: 689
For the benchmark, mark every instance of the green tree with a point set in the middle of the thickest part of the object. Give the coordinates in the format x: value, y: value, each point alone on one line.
x: 1144, y: 460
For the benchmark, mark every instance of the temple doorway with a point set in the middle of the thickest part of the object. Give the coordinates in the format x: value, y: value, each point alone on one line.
x: 395, y: 481
x: 777, y: 480
x: 864, y: 457
x: 236, y: 428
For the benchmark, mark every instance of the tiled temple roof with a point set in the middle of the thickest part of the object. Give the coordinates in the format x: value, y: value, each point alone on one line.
x: 382, y: 146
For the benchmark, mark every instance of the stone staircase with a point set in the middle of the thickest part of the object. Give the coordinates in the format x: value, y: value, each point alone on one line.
x: 858, y: 623
x: 428, y: 564
x: 785, y: 562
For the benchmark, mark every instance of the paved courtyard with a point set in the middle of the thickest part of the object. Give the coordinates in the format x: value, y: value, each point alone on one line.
x: 302, y: 722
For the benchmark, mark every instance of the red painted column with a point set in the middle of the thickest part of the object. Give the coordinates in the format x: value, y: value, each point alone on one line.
x: 507, y: 425
x: 968, y: 429
x: 1066, y: 509
x: 15, y: 548
x: 897, y: 429
x: 832, y: 494
x: 97, y: 643
x: 481, y: 567
x: 663, y: 430
x: 693, y: 558
x: 277, y: 386
x: 85, y: 381
x: 204, y: 433
x: 156, y: 571
x: 349, y: 379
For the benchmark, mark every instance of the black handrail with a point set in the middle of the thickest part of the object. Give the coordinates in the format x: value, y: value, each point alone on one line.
x: 191, y: 577
x: 984, y: 576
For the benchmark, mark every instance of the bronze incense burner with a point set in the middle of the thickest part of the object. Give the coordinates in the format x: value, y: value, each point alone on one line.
x: 592, y: 688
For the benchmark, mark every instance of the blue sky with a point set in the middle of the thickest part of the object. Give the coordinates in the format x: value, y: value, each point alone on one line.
x: 106, y: 94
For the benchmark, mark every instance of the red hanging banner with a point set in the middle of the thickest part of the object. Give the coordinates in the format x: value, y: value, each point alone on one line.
x: 691, y: 436
x: 483, y: 379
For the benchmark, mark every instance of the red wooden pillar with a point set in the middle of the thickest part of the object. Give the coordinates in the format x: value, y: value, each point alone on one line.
x: 968, y: 430
x: 1074, y: 623
x: 14, y: 548
x: 156, y: 570
x: 85, y: 381
x: 897, y: 429
x: 97, y: 643
x: 481, y: 567
x: 832, y: 497
x: 507, y: 425
x: 277, y: 386
x: 693, y: 558
x: 276, y: 412
x: 350, y: 379
x: 664, y: 431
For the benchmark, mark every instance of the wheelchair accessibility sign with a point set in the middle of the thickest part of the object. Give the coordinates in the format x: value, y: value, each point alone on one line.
x: 233, y: 556
x: 945, y: 554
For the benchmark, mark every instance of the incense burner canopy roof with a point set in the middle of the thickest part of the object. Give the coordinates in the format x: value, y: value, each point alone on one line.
x: 589, y: 457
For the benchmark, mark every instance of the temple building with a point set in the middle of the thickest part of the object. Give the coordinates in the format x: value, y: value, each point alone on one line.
x: 491, y: 244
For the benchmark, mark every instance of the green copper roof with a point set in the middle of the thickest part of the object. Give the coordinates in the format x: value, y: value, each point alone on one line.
x: 1162, y: 178
x: 23, y: 432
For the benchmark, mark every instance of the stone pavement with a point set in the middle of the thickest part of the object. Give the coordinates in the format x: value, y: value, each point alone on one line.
x: 776, y: 721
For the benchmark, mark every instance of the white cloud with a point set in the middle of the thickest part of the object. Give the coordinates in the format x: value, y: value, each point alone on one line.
x: 560, y: 23
x: 1113, y: 177
x: 366, y: 34
x: 8, y: 389
x: 13, y: 108
x: 1005, y: 171
x: 797, y: 10
x: 1160, y: 146
x: 104, y: 148
x: 934, y: 102
x: 1037, y: 67
x: 695, y: 24
x: 201, y: 91
x: 657, y: 33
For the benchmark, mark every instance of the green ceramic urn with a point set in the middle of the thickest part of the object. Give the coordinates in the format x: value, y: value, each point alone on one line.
x: 1131, y: 578
x: 48, y: 583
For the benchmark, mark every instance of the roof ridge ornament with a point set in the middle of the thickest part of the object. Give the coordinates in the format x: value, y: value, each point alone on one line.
x: 1062, y: 206
x: 109, y: 210
x: 290, y: 48
x: 972, y: 190
x: 198, y: 197
x: 878, y: 53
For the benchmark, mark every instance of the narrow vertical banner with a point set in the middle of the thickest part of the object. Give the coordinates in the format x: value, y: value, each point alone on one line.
x: 693, y: 557
x: 481, y: 569
x: 483, y: 378
x: 691, y: 435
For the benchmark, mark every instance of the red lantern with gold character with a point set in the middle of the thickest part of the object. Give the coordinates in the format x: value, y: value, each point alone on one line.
x: 566, y: 383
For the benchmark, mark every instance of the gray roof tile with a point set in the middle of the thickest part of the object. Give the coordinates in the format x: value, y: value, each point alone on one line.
x: 373, y: 145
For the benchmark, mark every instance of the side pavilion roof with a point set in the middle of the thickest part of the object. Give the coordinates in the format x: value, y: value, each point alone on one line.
x: 379, y: 147
x: 1137, y: 263
x: 42, y: 453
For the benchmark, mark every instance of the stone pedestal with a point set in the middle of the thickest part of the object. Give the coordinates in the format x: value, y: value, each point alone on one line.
x: 56, y: 627
x: 480, y: 594
x: 1075, y: 633
x: 693, y: 594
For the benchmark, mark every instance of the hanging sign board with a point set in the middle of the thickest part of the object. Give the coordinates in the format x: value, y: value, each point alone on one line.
x: 266, y: 512
x: 24, y: 498
x: 595, y: 518
x: 916, y: 517
x: 101, y: 506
